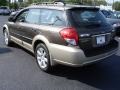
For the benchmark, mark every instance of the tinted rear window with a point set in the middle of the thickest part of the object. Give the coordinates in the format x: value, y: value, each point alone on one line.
x: 3, y: 8
x: 86, y: 17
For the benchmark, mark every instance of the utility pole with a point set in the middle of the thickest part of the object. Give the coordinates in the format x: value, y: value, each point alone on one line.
x: 9, y: 1
x: 15, y: 4
x: 113, y: 5
x: 33, y: 1
x: 80, y: 1
x: 93, y: 2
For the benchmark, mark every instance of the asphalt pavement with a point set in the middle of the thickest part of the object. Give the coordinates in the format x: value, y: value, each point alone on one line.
x: 19, y: 71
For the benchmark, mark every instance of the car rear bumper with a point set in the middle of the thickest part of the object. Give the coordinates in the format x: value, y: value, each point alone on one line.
x: 75, y: 56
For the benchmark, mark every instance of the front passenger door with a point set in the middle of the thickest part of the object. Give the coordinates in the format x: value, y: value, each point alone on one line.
x: 15, y: 27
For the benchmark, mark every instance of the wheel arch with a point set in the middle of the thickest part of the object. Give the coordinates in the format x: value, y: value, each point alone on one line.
x: 5, y: 27
x: 36, y: 43
x: 42, y: 39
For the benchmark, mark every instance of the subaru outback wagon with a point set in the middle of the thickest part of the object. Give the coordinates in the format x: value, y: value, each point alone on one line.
x: 72, y: 35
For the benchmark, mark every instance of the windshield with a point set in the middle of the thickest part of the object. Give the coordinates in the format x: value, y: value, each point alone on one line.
x: 88, y: 17
x: 117, y: 15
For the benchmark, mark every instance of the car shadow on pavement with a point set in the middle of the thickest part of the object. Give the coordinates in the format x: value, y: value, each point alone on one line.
x: 103, y: 75
x: 4, y: 50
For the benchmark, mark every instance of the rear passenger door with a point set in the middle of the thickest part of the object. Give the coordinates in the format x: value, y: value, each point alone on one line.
x: 52, y: 20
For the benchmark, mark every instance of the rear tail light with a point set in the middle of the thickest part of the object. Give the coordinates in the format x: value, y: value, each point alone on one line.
x: 70, y: 36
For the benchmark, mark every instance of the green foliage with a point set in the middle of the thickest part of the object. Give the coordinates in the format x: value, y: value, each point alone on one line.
x: 11, y: 5
x: 35, y: 1
x: 22, y: 4
x: 116, y: 6
x: 14, y: 5
x: 30, y: 1
x: 88, y: 2
x: 3, y: 2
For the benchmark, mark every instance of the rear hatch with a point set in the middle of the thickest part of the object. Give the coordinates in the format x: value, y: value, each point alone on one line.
x: 92, y: 27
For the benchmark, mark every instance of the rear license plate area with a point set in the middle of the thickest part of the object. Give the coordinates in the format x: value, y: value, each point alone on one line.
x: 100, y: 40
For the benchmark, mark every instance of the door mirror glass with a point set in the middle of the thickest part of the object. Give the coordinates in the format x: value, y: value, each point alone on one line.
x: 11, y: 19
x: 12, y: 16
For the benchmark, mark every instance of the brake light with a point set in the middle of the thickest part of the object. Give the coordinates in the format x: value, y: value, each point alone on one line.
x: 70, y: 35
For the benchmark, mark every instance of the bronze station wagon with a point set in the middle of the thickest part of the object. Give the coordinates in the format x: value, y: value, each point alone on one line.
x: 73, y: 35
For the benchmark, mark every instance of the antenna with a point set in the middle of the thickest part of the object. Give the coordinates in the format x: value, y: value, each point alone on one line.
x: 93, y: 1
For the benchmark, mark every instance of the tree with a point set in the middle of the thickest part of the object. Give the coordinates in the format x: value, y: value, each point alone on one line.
x: 89, y: 2
x: 14, y: 5
x: 116, y: 5
x: 30, y: 1
x: 3, y: 2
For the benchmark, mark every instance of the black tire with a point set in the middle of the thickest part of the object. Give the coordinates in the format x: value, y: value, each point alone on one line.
x: 43, y: 58
x: 7, y: 38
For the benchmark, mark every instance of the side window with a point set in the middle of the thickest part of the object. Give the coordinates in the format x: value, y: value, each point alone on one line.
x: 33, y: 16
x: 22, y: 16
x: 45, y: 17
x: 52, y: 17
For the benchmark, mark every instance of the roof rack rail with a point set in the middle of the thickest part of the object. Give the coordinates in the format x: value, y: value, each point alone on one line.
x: 60, y: 3
x: 50, y: 3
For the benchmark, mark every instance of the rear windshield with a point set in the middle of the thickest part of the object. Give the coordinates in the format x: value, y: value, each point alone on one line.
x: 3, y: 8
x: 86, y: 17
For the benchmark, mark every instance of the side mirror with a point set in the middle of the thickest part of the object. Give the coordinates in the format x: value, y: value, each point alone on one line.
x: 12, y: 17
